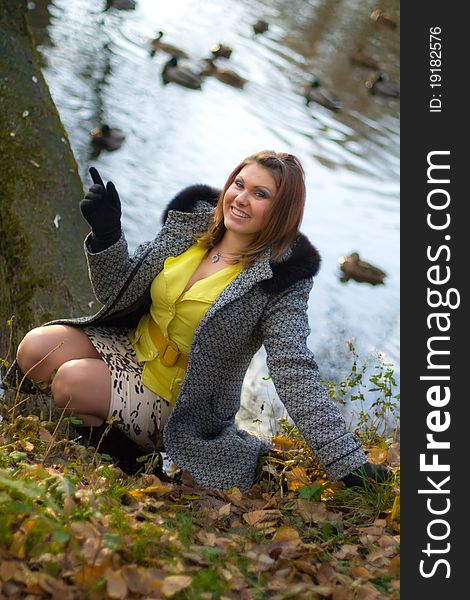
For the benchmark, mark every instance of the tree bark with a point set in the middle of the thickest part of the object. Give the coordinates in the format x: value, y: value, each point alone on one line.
x: 42, y: 267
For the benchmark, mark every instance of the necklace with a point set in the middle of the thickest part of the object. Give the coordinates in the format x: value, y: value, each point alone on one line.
x: 221, y: 255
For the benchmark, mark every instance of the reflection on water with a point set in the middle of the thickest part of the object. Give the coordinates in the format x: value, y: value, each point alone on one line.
x: 99, y: 70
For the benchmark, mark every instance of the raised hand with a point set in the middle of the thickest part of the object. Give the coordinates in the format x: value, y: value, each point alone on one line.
x: 101, y: 207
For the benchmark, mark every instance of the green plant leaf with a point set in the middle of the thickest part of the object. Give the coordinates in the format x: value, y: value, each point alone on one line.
x: 112, y: 541
x: 309, y: 492
x: 17, y: 456
x: 60, y: 536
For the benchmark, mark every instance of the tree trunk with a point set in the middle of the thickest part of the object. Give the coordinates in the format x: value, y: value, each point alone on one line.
x: 42, y: 266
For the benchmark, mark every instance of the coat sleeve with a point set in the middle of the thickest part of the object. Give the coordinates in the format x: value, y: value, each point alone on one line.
x: 296, y: 378
x: 109, y: 268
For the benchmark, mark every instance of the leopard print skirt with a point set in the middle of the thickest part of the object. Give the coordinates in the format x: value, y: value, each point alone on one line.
x: 137, y: 411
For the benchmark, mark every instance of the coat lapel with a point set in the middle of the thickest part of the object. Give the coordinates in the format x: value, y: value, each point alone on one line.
x: 258, y: 271
x: 176, y: 236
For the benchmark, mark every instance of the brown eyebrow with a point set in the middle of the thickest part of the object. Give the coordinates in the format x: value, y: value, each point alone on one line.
x: 257, y: 187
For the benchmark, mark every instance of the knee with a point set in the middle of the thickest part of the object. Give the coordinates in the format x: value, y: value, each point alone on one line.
x: 66, y: 383
x: 31, y: 349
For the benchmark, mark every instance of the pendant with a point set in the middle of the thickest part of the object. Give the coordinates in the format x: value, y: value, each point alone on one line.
x: 215, y: 258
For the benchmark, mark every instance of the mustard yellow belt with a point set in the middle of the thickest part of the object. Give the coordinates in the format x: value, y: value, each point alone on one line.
x: 168, y: 352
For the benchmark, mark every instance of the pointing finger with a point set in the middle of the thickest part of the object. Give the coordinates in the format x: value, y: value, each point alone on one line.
x: 96, y: 177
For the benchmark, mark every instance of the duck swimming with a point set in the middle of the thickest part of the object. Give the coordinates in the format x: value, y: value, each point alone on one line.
x: 121, y: 4
x: 359, y: 57
x: 221, y: 50
x: 379, y: 83
x: 156, y: 44
x: 363, y: 272
x: 383, y: 18
x: 224, y: 75
x: 107, y: 138
x: 180, y: 74
x: 260, y: 26
x: 316, y: 93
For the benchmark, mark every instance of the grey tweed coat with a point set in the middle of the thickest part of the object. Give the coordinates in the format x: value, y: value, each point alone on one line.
x: 265, y: 304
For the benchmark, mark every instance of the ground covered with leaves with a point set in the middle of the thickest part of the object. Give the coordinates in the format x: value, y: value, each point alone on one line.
x: 73, y: 526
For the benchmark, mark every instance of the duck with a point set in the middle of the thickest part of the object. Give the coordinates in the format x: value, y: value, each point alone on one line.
x: 316, y: 93
x: 383, y: 18
x: 156, y: 44
x: 260, y: 26
x: 359, y: 57
x: 221, y: 51
x: 180, y: 74
x: 121, y: 4
x: 363, y: 272
x: 379, y: 83
x: 107, y: 138
x: 224, y: 75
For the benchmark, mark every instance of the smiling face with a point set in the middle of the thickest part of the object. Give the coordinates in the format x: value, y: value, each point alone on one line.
x: 260, y: 206
x: 248, y: 200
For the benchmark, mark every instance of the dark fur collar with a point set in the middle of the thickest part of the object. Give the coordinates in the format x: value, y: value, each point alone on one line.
x: 187, y: 199
x: 302, y: 262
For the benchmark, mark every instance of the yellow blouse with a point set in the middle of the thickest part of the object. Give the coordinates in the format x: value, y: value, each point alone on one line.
x: 178, y: 314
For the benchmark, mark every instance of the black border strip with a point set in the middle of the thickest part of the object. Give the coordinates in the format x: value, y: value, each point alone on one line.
x: 434, y: 568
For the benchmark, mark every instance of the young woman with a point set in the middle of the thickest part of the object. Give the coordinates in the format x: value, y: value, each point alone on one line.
x: 166, y: 355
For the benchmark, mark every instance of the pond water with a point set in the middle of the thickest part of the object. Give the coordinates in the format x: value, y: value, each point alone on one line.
x: 99, y: 70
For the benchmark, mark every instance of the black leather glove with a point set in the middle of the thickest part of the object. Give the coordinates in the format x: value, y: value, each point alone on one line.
x: 101, y: 208
x: 360, y: 477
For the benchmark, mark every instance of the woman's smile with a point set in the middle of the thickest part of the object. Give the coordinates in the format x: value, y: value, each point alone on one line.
x: 239, y: 213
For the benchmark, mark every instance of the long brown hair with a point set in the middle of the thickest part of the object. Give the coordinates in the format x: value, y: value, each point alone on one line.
x: 282, y: 222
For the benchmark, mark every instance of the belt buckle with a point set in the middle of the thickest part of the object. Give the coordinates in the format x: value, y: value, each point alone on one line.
x: 170, y: 354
